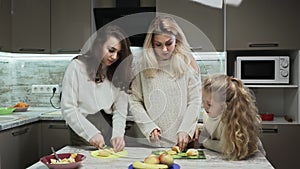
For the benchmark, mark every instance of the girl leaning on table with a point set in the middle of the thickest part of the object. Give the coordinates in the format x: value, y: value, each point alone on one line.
x: 166, y: 89
x: 94, y: 91
x: 231, y: 120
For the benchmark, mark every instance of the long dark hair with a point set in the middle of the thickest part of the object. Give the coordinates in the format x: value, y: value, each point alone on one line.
x: 119, y: 72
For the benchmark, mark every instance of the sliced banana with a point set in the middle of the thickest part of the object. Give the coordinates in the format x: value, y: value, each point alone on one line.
x: 141, y: 165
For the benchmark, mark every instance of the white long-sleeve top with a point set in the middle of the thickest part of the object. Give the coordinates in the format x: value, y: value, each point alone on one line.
x: 168, y: 104
x: 82, y: 96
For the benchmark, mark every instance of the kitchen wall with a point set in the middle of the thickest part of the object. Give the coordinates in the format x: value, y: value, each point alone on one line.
x: 18, y: 72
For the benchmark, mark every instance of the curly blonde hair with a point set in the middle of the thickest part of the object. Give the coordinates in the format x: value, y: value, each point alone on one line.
x: 165, y: 24
x: 240, y: 116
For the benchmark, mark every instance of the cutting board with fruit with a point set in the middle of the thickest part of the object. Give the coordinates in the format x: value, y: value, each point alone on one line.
x: 177, y: 154
x: 108, y: 153
x: 162, y: 161
x: 143, y: 165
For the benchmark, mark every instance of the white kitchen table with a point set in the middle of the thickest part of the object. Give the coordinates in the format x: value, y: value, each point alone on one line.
x: 213, y: 160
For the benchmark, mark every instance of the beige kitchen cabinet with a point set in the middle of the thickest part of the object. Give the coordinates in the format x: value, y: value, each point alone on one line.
x: 5, y: 22
x: 281, y: 143
x: 30, y: 26
x: 19, y: 146
x: 70, y: 25
x: 202, y: 25
x: 263, y: 25
x: 53, y: 134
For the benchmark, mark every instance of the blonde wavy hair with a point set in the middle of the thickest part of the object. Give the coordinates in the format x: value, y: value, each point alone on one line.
x: 165, y: 24
x: 241, y: 120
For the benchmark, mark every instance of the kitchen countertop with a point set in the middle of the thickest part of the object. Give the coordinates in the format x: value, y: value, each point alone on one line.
x: 213, y: 160
x: 34, y: 114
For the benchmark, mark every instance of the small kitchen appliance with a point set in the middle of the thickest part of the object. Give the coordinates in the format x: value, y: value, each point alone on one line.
x: 263, y: 69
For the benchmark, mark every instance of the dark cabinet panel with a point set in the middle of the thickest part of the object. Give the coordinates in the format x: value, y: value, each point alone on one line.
x: 203, y: 25
x: 19, y: 146
x: 281, y: 143
x: 5, y: 22
x: 263, y: 25
x: 53, y: 134
x: 31, y: 26
x: 70, y: 25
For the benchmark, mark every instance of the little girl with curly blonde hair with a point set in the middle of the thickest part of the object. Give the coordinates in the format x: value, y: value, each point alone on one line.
x: 233, y: 124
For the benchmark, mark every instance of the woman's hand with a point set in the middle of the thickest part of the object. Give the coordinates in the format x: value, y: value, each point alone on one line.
x: 182, y: 140
x: 97, y: 141
x: 155, y: 136
x: 196, y: 135
x: 118, y: 144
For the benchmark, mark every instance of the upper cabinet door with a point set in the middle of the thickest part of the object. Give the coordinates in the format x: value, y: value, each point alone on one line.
x: 263, y: 25
x: 70, y: 25
x: 5, y: 22
x: 202, y: 25
x: 30, y: 26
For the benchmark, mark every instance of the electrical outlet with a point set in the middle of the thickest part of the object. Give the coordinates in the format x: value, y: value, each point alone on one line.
x: 44, y: 88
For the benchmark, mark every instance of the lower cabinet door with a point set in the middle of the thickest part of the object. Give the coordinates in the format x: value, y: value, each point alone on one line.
x: 282, y: 145
x: 19, y: 147
x: 53, y: 134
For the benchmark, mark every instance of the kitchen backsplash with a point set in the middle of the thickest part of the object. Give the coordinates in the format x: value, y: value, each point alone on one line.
x: 19, y: 72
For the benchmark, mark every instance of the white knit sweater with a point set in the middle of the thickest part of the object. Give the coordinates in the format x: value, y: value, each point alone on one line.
x: 168, y: 104
x: 81, y: 97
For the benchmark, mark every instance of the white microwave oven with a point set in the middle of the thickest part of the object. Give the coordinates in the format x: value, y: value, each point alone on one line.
x: 263, y: 69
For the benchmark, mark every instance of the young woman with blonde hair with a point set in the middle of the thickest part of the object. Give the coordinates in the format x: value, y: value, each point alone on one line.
x: 233, y: 122
x: 166, y: 94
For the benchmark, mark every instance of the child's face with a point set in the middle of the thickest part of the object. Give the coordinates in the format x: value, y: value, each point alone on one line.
x: 164, y: 45
x: 212, y: 107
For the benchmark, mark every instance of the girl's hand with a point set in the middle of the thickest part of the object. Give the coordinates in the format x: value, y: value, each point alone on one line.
x: 155, y: 136
x: 118, y: 144
x: 97, y: 141
x: 182, y: 140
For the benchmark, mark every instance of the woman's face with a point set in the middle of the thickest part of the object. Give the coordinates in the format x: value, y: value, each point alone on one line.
x: 164, y: 45
x: 111, y: 49
x: 212, y: 107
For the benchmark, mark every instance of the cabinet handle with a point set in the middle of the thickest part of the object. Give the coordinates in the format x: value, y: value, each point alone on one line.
x: 12, y: 7
x: 20, y: 132
x: 57, y: 126
x: 68, y: 50
x: 262, y: 45
x: 193, y: 49
x: 31, y: 50
x: 268, y: 130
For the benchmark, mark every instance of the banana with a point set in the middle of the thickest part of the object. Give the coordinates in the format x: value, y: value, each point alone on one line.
x: 141, y: 165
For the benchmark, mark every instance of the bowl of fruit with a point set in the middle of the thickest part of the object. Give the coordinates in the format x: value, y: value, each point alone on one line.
x: 162, y: 161
x: 20, y: 107
x: 67, y: 160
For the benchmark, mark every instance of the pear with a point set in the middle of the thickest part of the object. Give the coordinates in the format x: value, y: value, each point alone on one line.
x: 166, y: 158
x: 152, y: 159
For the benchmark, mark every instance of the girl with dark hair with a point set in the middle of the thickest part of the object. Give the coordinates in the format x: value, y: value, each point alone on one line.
x: 95, y: 86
